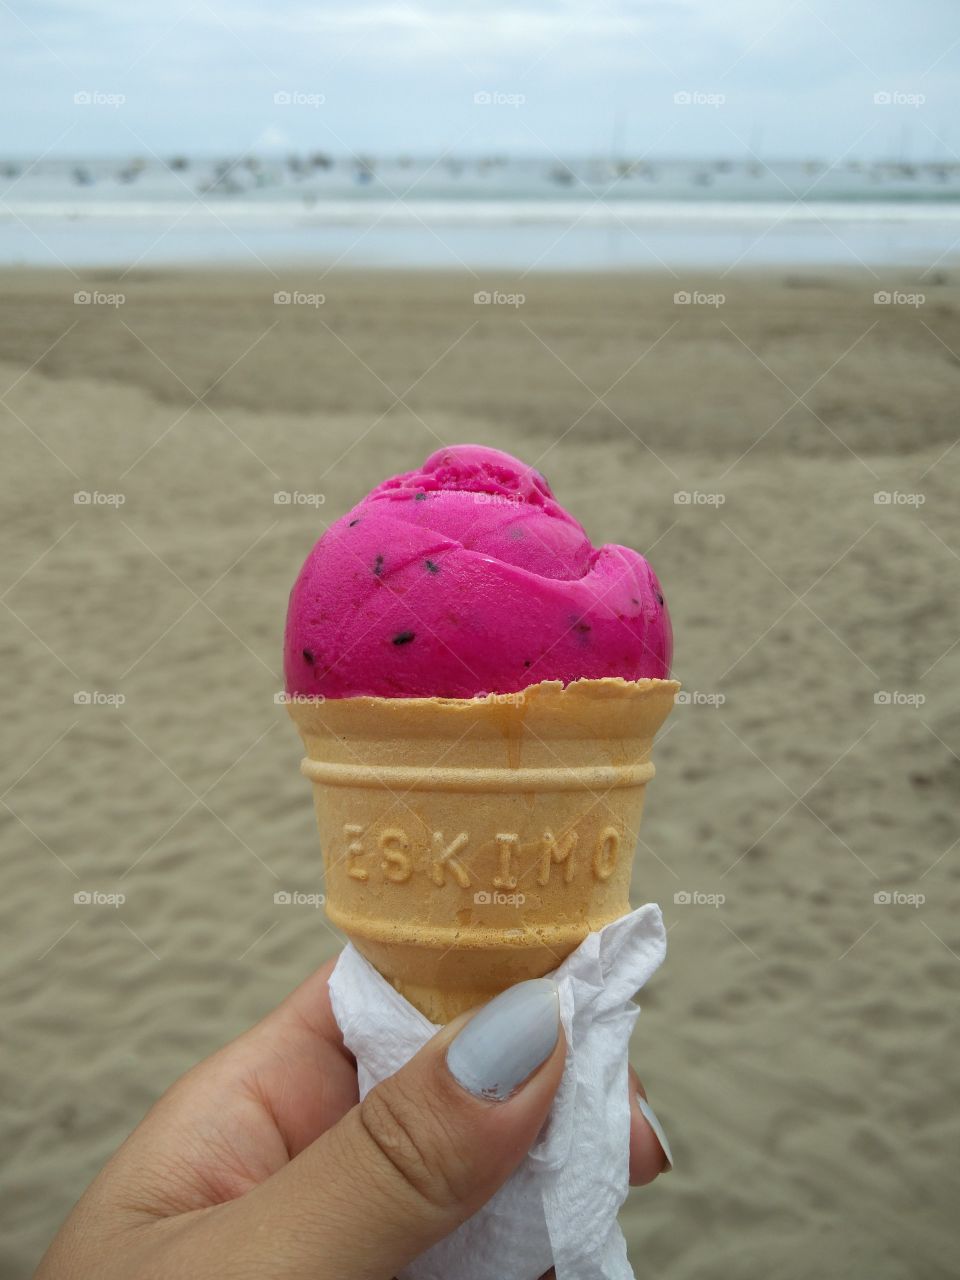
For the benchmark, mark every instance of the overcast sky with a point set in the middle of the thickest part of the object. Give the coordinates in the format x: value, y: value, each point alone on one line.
x: 795, y: 78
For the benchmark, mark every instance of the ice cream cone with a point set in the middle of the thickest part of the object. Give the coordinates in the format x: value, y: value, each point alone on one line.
x: 469, y: 844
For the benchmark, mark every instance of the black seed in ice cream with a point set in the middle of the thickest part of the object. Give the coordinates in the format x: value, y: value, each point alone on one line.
x: 308, y: 656
x: 353, y: 522
x: 403, y: 637
x: 432, y: 566
x: 378, y: 565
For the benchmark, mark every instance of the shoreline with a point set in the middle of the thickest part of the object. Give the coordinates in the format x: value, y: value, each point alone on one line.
x: 590, y: 234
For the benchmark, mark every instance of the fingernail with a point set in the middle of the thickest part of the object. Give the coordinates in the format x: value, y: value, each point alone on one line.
x: 650, y: 1116
x: 507, y: 1040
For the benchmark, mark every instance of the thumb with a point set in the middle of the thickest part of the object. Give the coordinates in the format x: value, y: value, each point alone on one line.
x: 424, y: 1150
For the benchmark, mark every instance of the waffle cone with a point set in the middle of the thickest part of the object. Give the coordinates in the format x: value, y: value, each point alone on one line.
x: 469, y: 844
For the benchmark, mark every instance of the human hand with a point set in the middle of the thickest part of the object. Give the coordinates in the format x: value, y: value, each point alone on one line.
x: 260, y: 1162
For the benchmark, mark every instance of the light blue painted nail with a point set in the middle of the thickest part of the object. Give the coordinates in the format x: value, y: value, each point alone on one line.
x: 650, y: 1116
x: 507, y: 1040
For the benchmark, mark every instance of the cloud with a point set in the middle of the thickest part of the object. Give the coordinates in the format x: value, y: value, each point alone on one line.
x: 401, y: 74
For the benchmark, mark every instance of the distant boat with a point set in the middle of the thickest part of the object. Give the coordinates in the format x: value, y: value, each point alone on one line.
x: 178, y: 164
x: 130, y: 172
x: 320, y: 160
x: 222, y: 182
x: 363, y: 170
x: 82, y: 177
x: 561, y: 175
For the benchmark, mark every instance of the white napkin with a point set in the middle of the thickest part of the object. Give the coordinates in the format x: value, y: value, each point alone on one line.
x: 560, y: 1206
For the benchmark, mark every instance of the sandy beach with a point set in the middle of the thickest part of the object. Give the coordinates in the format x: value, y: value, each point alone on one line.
x: 800, y: 1043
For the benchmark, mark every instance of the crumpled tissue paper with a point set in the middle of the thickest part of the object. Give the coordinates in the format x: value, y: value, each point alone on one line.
x: 560, y: 1206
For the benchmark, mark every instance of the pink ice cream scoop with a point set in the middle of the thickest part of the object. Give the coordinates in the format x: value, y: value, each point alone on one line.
x: 467, y: 577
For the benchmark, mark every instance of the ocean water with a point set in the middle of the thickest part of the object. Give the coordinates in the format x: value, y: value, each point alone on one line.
x: 523, y: 214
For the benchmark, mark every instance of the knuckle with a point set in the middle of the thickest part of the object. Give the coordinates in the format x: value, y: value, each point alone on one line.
x: 416, y: 1143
